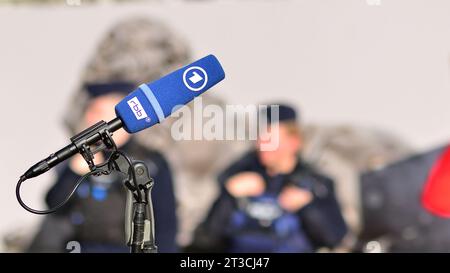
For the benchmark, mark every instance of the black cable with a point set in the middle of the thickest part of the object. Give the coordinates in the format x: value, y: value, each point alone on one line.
x: 77, y: 184
x: 150, y: 216
x: 98, y: 170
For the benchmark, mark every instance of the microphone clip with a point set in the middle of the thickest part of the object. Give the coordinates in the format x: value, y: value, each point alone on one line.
x: 106, y: 142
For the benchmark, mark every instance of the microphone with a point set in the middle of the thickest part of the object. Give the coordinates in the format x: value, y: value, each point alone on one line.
x: 436, y: 193
x: 144, y: 107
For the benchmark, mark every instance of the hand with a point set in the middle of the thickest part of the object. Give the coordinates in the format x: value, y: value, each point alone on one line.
x: 245, y: 184
x: 293, y: 198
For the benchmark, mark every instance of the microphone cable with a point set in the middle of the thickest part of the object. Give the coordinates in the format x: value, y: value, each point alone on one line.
x: 97, y: 171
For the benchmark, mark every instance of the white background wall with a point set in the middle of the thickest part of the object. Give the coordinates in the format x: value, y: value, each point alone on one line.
x: 343, y: 61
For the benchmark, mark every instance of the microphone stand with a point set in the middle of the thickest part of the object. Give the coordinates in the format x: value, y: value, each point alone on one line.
x: 139, y: 218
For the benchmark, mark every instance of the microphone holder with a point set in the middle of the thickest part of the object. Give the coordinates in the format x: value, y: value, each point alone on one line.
x: 139, y: 218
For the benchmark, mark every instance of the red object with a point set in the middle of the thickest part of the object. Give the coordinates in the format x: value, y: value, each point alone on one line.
x: 436, y: 194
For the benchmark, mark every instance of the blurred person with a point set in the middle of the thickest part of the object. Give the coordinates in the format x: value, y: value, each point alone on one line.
x: 272, y: 201
x: 135, y: 50
x: 94, y: 216
x: 405, y: 204
x: 142, y: 49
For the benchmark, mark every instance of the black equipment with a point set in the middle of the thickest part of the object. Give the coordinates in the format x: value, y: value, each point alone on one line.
x: 139, y: 220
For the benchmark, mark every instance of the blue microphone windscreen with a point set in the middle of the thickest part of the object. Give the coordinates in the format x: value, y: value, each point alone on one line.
x: 151, y: 103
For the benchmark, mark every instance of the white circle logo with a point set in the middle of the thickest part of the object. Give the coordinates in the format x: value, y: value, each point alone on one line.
x: 196, y: 80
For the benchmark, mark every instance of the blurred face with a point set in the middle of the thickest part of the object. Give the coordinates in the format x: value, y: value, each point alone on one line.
x: 102, y: 108
x: 288, y: 146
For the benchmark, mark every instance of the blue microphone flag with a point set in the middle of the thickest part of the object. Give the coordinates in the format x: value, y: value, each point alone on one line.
x: 152, y: 102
